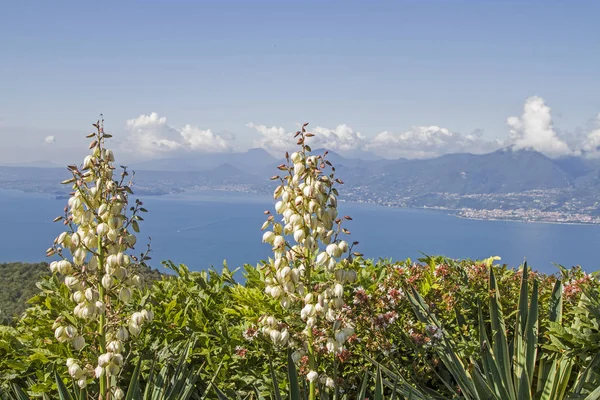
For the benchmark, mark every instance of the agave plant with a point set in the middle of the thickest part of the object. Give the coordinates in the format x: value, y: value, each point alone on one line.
x: 171, y: 382
x: 506, y: 369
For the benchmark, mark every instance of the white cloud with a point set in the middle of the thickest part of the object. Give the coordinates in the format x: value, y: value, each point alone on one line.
x: 429, y: 141
x: 418, y: 142
x: 273, y: 138
x: 342, y: 138
x: 49, y: 139
x: 591, y: 145
x: 535, y: 130
x: 151, y: 135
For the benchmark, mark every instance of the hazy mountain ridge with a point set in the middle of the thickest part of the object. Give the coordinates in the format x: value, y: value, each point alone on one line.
x: 503, y: 179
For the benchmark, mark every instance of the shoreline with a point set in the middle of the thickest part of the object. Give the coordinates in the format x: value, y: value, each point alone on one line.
x: 448, y: 211
x: 526, y: 221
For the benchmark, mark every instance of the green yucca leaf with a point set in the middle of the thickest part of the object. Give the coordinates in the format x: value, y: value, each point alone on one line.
x: 531, y: 332
x: 595, y: 395
x: 63, y: 393
x: 277, y: 393
x: 585, y: 375
x: 363, y: 387
x: 293, y: 378
x: 133, y: 390
x: 500, y: 342
x: 378, y: 385
x: 19, y: 393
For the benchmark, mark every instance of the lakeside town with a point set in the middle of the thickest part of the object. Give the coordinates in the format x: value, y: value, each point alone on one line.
x: 524, y: 215
x: 549, y: 205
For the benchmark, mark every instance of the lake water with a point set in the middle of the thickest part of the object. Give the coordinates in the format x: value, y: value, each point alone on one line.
x: 200, y: 229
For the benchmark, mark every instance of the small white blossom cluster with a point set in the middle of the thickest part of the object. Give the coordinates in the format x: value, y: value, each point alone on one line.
x: 306, y: 246
x: 96, y: 268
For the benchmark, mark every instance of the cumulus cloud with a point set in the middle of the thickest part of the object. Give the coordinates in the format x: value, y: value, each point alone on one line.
x: 534, y: 130
x: 341, y: 138
x: 591, y: 144
x: 429, y: 141
x: 49, y: 139
x: 418, y: 142
x: 151, y: 135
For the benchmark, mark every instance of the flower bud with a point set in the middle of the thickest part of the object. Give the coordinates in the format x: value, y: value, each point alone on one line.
x: 70, y: 331
x: 308, y: 298
x: 120, y: 273
x: 275, y: 336
x: 343, y: 245
x: 329, y: 382
x: 338, y: 290
x: 137, y: 318
x: 82, y: 383
x: 299, y: 168
x: 297, y: 356
x: 148, y: 315
x: 338, y: 303
x: 78, y: 342
x: 332, y: 346
x: 112, y: 235
x: 112, y: 369
x: 118, y: 359
x: 64, y: 267
x: 322, y: 258
x: 284, y: 337
x: 333, y: 250
x: 104, y: 359
x: 122, y: 334
x: 102, y: 229
x: 100, y: 307
x: 299, y: 235
x: 107, y: 281
x: 312, y: 376
x: 278, y: 241
x: 114, y: 346
x: 91, y: 295
x: 78, y: 297
x: 134, y: 329
x: 268, y: 237
x: 75, y: 371
x: 53, y: 266
x: 125, y: 294
x: 119, y: 394
x: 59, y: 334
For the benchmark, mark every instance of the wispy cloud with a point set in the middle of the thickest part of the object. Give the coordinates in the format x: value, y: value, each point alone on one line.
x: 49, y: 139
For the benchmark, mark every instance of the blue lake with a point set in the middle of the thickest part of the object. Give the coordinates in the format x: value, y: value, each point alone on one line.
x: 201, y: 229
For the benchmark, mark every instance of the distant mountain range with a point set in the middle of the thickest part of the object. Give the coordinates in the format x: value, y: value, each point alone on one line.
x: 503, y: 179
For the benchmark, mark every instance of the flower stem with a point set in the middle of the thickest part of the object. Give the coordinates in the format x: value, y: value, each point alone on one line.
x: 101, y: 326
x: 311, y: 363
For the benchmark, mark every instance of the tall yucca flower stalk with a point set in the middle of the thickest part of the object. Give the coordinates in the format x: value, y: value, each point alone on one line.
x: 306, y: 274
x: 97, y: 270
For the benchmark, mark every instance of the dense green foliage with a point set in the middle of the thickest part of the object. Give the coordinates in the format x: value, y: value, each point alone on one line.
x: 222, y: 316
x: 17, y: 281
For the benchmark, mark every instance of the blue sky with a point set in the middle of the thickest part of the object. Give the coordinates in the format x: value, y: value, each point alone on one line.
x: 434, y: 76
